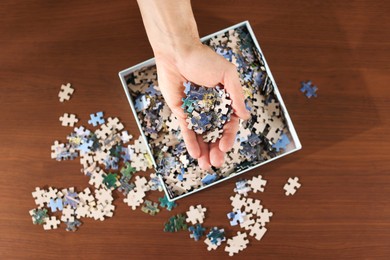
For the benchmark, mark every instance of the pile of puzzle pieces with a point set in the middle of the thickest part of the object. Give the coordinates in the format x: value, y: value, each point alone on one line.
x: 264, y: 136
x: 72, y: 205
x: 207, y: 109
x: 110, y: 162
x: 248, y: 213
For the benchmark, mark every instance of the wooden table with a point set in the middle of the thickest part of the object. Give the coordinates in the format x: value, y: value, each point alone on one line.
x: 342, y: 210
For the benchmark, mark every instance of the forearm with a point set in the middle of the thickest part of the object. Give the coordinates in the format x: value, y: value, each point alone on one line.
x: 170, y: 26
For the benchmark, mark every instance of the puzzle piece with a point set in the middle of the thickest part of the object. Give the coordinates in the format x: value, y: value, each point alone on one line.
x: 210, y: 246
x: 257, y: 231
x: 242, y: 187
x: 72, y: 226
x: 253, y: 206
x: 248, y: 222
x: 56, y: 204
x: 196, y: 214
x: 68, y: 120
x: 134, y: 198
x: 165, y: 203
x: 216, y: 236
x: 150, y: 208
x: 71, y: 199
x: 68, y: 214
x: 237, y: 243
x: 257, y: 183
x: 51, y: 223
x: 238, y: 202
x: 39, y: 216
x: 96, y: 119
x: 175, y: 223
x: 111, y: 181
x: 264, y: 217
x: 236, y: 217
x: 292, y: 186
x: 281, y: 143
x: 309, y: 89
x: 65, y: 92
x: 40, y: 197
x: 197, y: 231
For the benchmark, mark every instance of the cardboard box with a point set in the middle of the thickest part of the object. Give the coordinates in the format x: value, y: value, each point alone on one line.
x: 294, y: 145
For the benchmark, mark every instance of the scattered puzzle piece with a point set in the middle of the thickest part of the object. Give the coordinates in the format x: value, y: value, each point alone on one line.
x: 309, y: 89
x: 196, y: 214
x: 68, y: 120
x: 236, y: 217
x: 65, y: 92
x: 72, y: 226
x: 292, y: 186
x: 216, y: 236
x: 165, y: 203
x: 150, y: 208
x: 197, y: 231
x: 175, y: 223
x: 39, y: 216
x: 242, y: 187
x: 96, y: 119
x: 51, y: 223
x: 236, y: 243
x: 257, y: 183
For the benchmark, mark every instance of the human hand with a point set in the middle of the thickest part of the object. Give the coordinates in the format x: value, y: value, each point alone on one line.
x: 173, y: 35
x: 199, y: 64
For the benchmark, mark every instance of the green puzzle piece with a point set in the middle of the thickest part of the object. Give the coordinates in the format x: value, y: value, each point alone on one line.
x: 110, y: 180
x: 127, y: 170
x: 175, y: 223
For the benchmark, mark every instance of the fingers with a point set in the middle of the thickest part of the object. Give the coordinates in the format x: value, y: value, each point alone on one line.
x: 233, y: 86
x: 230, y: 130
x: 204, y: 159
x: 190, y: 139
x: 217, y: 157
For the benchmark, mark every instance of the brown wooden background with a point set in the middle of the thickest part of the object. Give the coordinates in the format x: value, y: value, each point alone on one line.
x: 341, y: 211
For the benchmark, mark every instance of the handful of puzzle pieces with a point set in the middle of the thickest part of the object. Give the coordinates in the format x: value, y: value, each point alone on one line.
x: 264, y: 136
x: 207, y: 109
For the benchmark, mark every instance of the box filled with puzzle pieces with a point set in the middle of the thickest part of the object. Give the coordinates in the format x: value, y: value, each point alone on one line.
x: 269, y: 133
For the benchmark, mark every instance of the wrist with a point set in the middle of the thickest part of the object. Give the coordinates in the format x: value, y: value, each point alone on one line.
x: 170, y: 26
x: 176, y: 47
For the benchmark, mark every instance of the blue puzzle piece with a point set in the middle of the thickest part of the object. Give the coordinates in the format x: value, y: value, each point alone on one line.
x: 165, y: 203
x: 281, y: 143
x: 86, y: 146
x: 216, y: 235
x: 55, y: 204
x: 96, y: 119
x: 71, y: 199
x: 209, y: 178
x: 309, y: 89
x: 141, y: 103
x: 236, y: 217
x: 187, y: 86
x: 72, y: 226
x: 197, y: 231
x: 152, y: 91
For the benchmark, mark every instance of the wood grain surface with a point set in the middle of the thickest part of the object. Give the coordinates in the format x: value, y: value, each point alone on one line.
x: 342, y: 210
